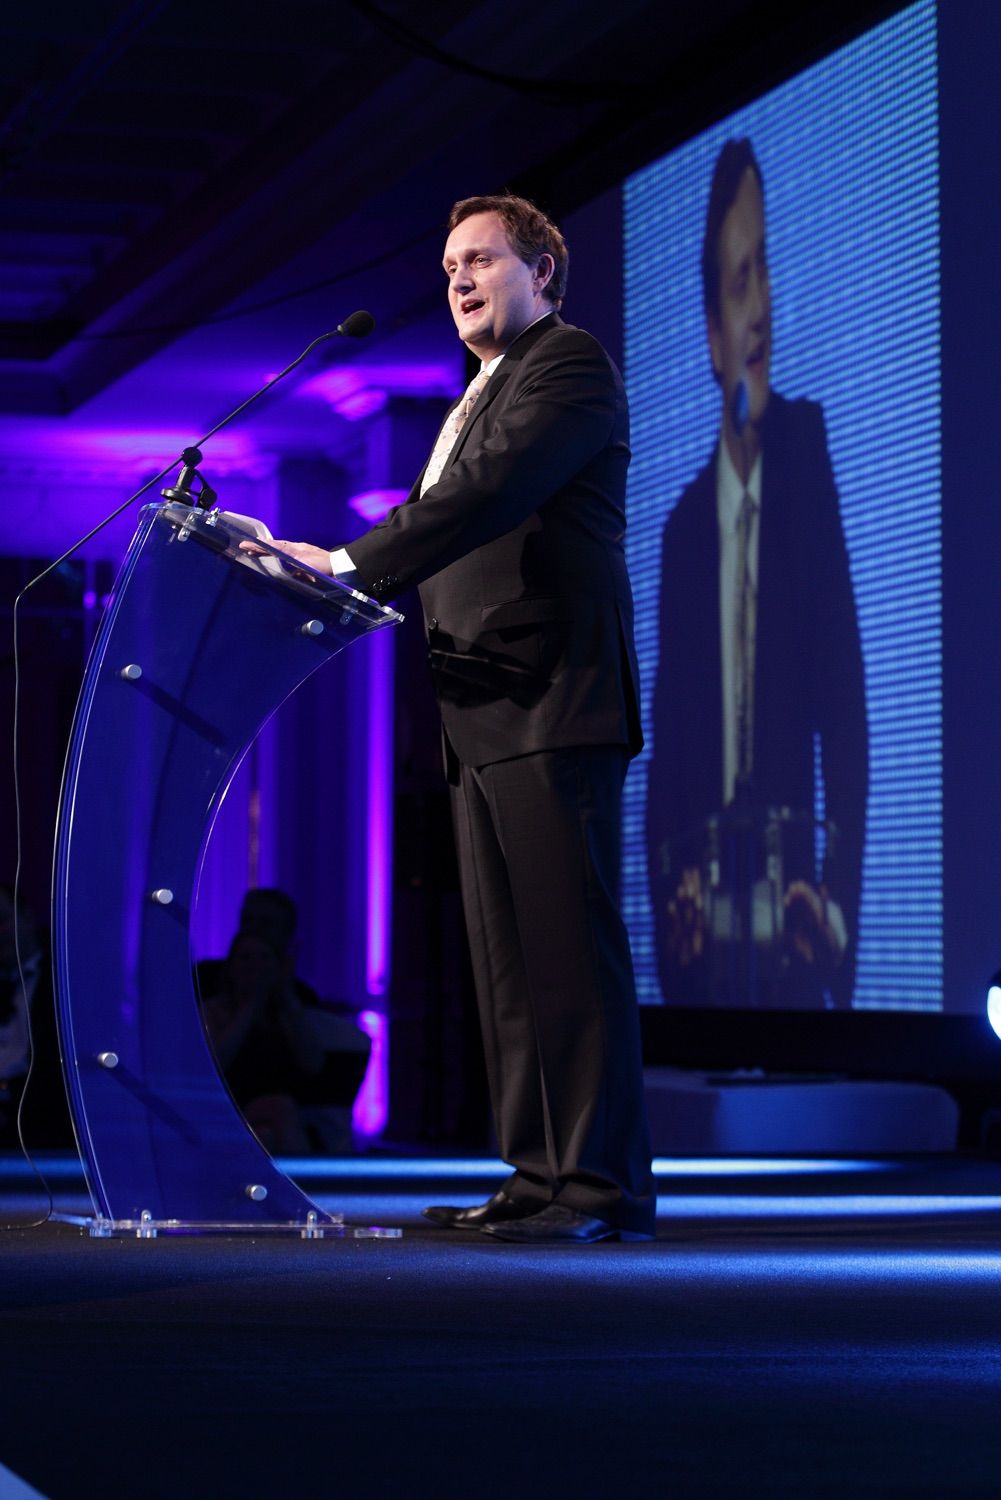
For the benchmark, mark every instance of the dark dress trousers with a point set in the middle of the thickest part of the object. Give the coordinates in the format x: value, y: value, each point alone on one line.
x: 808, y: 673
x: 518, y: 551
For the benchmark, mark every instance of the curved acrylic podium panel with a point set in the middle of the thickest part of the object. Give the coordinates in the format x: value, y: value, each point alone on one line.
x: 198, y: 647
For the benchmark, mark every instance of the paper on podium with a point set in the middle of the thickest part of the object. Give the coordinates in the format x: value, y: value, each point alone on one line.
x: 264, y: 562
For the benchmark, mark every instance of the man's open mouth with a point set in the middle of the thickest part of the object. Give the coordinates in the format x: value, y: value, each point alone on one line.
x: 471, y: 305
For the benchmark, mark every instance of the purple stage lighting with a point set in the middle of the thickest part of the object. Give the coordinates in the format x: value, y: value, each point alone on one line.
x: 374, y: 505
x: 371, y: 1107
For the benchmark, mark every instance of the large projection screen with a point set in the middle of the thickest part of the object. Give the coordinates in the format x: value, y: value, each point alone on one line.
x: 849, y: 159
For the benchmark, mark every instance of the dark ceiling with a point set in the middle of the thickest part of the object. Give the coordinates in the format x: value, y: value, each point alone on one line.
x: 171, y: 164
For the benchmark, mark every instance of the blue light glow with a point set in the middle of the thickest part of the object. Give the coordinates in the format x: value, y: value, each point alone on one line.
x: 824, y: 1205
x: 758, y: 1166
x: 375, y: 1168
x: 994, y: 1008
x: 466, y: 1167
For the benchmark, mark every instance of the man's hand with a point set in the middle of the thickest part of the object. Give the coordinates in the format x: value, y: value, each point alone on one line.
x: 686, y: 919
x: 814, y: 928
x: 303, y: 552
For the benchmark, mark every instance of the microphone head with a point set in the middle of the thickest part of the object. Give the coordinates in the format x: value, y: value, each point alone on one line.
x: 358, y: 326
x: 740, y: 408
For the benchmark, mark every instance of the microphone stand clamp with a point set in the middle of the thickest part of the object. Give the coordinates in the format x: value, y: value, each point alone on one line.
x: 203, y: 498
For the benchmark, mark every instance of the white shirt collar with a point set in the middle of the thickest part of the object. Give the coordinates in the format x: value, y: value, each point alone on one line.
x: 730, y: 487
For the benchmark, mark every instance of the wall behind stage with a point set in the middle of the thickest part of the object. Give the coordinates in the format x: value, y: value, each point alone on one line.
x: 970, y: 118
x: 849, y: 152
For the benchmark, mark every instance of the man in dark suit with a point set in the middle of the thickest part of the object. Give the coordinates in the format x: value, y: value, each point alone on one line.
x: 760, y: 660
x: 514, y: 532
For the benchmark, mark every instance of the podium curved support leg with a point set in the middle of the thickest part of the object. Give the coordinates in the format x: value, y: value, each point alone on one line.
x: 196, y: 651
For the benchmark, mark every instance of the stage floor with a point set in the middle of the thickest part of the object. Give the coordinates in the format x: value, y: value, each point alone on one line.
x: 797, y: 1328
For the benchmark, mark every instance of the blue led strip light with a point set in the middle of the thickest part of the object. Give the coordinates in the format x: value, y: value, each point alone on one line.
x: 849, y: 153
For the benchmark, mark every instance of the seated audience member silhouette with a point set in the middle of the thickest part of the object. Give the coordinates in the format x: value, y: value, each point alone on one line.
x: 270, y: 914
x: 292, y: 1064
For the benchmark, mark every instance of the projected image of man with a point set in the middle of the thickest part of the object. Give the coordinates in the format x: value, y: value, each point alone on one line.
x: 760, y: 678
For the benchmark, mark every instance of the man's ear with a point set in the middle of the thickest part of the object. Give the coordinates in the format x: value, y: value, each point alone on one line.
x: 544, y: 272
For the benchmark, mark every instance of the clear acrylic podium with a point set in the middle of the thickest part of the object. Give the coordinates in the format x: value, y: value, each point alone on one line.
x: 198, y: 647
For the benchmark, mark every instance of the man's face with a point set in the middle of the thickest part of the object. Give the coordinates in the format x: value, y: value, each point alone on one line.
x: 254, y: 962
x: 267, y: 919
x: 740, y: 334
x: 492, y: 293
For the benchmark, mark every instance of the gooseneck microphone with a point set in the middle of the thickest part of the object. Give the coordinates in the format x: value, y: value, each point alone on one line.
x: 740, y: 416
x: 740, y: 407
x: 358, y: 326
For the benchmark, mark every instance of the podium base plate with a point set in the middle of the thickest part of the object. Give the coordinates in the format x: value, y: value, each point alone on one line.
x: 146, y: 1227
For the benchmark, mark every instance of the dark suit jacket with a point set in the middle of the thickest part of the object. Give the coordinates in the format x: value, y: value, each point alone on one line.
x: 808, y: 666
x: 518, y: 551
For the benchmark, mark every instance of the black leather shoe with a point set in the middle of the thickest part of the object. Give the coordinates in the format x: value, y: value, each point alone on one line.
x: 557, y: 1225
x: 500, y: 1209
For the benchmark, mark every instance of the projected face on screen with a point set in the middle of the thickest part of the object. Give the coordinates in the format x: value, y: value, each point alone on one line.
x: 738, y: 302
x: 780, y: 829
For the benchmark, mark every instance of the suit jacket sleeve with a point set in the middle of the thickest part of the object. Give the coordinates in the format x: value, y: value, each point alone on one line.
x: 549, y: 416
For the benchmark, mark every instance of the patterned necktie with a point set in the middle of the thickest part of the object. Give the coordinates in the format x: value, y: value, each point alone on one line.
x: 746, y: 601
x: 454, y: 423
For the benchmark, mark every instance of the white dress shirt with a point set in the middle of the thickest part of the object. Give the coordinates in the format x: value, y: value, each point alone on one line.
x: 729, y: 499
x: 340, y: 559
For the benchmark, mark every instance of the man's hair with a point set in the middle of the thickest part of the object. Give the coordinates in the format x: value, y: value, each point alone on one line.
x: 728, y: 173
x: 531, y: 234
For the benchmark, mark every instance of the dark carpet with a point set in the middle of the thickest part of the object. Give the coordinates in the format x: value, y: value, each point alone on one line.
x: 790, y: 1332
